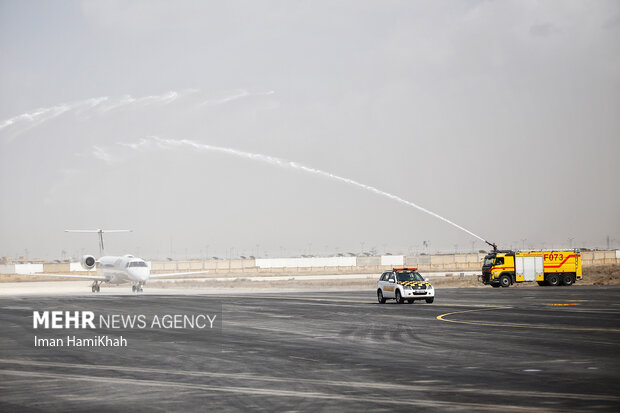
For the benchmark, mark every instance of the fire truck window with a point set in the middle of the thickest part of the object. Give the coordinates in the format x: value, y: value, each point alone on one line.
x: 499, y: 261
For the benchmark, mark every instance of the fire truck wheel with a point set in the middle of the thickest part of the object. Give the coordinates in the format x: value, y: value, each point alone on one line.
x: 553, y: 280
x: 504, y: 281
x: 567, y: 279
x: 399, y: 298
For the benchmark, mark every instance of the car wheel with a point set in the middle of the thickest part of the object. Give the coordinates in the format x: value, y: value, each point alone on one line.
x: 430, y: 300
x: 410, y: 300
x: 399, y: 298
x: 504, y: 281
x: 380, y: 297
x: 567, y: 279
x: 553, y: 280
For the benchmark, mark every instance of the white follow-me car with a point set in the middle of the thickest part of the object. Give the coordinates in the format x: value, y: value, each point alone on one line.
x: 403, y: 284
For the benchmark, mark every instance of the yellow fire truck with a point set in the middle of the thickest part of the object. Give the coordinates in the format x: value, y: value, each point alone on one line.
x: 557, y: 267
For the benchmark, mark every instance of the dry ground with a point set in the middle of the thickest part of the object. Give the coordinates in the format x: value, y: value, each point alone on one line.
x: 601, y: 275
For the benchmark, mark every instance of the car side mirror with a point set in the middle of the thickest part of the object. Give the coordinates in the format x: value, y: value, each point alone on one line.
x: 391, y: 280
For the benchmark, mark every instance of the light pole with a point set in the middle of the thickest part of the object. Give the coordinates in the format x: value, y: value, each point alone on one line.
x: 426, y: 245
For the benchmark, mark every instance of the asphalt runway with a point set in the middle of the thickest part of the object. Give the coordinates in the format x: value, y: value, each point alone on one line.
x: 515, y: 349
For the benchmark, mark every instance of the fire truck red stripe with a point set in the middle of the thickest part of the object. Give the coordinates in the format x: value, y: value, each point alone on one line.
x: 502, y: 268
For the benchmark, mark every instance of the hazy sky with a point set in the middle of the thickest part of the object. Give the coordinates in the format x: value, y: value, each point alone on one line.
x: 503, y: 117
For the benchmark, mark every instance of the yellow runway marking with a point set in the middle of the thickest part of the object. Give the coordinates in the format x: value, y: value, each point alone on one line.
x: 442, y: 317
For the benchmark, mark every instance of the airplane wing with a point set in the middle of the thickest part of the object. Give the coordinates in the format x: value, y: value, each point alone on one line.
x: 84, y: 277
x: 174, y: 274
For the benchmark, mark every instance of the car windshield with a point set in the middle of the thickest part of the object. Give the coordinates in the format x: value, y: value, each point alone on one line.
x: 409, y: 276
x: 488, y: 260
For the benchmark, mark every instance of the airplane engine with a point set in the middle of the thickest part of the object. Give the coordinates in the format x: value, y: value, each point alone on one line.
x: 88, y: 262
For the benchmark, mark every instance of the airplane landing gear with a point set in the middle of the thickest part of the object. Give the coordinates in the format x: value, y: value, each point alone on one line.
x: 96, y: 287
x: 137, y: 288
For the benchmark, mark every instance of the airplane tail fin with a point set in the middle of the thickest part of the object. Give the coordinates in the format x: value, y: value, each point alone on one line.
x: 100, y: 232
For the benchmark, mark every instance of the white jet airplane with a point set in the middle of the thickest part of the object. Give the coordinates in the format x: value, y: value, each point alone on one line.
x: 116, y: 269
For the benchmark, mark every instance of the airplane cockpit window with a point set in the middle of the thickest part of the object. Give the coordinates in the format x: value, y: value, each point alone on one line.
x: 137, y: 264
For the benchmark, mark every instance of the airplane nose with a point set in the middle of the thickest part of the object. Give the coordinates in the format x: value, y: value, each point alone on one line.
x: 140, y: 274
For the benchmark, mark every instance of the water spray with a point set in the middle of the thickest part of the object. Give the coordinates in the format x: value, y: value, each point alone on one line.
x: 172, y: 143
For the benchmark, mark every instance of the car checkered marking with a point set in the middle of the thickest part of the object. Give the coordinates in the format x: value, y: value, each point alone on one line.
x: 414, y: 283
